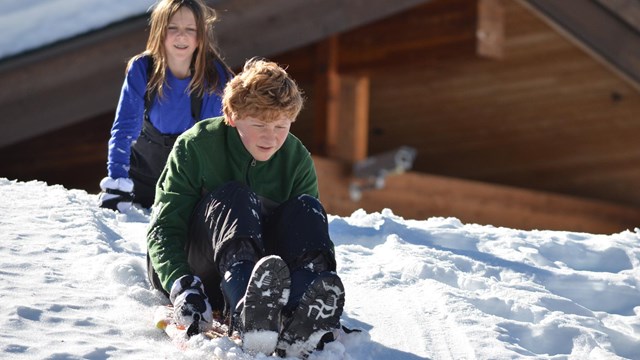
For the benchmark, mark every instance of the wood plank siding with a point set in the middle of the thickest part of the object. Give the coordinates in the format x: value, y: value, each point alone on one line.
x: 547, y: 116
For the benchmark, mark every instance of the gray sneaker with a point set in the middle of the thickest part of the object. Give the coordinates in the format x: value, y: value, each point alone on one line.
x: 317, y: 314
x: 267, y: 293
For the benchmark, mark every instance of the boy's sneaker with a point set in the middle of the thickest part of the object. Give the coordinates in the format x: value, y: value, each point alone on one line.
x: 317, y: 314
x: 267, y: 293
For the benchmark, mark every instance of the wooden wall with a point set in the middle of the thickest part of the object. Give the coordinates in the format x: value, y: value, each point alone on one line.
x: 546, y: 116
x: 74, y: 156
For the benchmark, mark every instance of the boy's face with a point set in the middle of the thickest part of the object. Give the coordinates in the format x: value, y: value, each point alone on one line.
x: 262, y: 139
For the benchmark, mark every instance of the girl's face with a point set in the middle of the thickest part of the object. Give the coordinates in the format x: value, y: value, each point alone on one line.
x: 260, y: 138
x: 182, y: 36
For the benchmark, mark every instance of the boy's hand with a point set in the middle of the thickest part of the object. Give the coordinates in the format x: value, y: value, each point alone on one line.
x: 190, y: 304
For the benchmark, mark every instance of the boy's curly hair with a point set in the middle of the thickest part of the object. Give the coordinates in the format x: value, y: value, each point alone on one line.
x: 262, y: 90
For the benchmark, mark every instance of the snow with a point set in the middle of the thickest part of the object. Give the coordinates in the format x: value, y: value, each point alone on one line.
x: 28, y: 24
x: 73, y: 286
x: 73, y: 280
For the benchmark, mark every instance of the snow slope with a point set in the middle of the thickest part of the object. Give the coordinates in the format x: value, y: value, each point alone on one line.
x: 73, y: 286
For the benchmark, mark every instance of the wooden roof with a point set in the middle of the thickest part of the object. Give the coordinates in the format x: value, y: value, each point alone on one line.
x: 77, y: 79
x: 608, y: 29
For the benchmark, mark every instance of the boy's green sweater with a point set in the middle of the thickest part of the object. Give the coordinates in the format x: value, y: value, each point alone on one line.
x: 205, y: 157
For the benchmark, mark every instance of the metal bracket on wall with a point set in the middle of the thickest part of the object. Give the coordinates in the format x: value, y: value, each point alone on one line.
x: 372, y: 172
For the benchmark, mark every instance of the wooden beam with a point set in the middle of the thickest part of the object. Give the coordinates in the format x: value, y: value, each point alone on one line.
x: 419, y: 196
x: 341, y: 115
x: 600, y: 33
x: 326, y: 93
x: 490, y: 29
x: 349, y: 131
x: 628, y: 10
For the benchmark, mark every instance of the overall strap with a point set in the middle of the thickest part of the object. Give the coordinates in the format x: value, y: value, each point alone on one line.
x: 148, y: 96
x: 196, y: 105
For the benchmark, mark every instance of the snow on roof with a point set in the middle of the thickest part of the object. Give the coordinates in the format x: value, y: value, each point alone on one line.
x: 29, y: 24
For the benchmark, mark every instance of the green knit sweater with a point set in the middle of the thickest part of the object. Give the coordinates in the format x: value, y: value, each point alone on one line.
x: 205, y: 157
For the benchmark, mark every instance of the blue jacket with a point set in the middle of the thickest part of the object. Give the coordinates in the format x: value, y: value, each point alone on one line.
x: 170, y: 115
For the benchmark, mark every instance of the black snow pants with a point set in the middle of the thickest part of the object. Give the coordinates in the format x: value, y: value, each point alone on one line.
x: 227, y: 226
x: 148, y: 158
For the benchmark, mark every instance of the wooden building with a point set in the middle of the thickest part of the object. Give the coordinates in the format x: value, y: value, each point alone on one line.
x: 523, y: 114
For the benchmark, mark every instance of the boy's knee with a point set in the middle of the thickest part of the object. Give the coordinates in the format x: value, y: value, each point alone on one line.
x: 308, y: 204
x: 237, y: 250
x: 309, y: 200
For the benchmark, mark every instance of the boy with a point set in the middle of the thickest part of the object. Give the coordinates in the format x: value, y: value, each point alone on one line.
x: 237, y: 224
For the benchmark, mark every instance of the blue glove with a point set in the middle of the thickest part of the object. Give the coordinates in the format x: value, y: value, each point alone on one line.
x: 191, y: 306
x: 117, y: 194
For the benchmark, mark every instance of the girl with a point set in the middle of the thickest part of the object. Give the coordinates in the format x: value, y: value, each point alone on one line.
x: 177, y: 81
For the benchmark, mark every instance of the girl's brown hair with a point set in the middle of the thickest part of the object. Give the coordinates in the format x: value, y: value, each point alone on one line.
x: 205, y: 77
